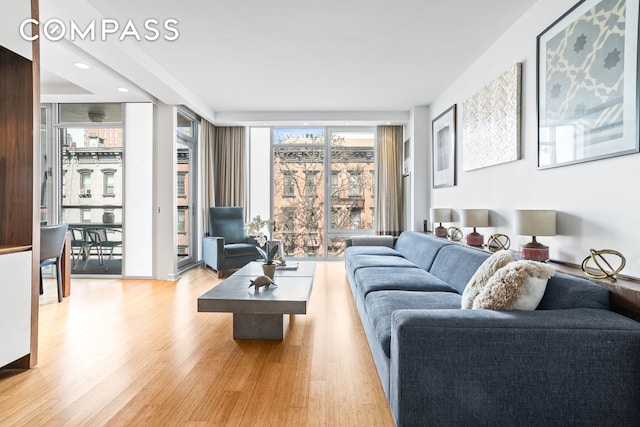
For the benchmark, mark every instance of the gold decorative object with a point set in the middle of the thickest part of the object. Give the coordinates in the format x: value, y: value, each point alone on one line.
x: 597, y: 257
x: 262, y: 281
x: 455, y: 234
x: 498, y: 242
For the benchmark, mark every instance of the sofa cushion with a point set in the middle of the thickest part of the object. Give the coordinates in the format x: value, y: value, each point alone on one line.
x: 456, y: 265
x: 381, y: 304
x: 398, y: 278
x: 359, y: 261
x: 483, y: 274
x: 370, y: 250
x: 516, y: 286
x: 420, y: 248
x: 564, y: 291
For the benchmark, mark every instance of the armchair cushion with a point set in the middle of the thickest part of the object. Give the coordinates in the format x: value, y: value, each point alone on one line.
x: 232, y: 250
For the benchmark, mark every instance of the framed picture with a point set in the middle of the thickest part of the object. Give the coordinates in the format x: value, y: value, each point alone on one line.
x: 444, y: 148
x: 588, y: 84
x: 491, y: 122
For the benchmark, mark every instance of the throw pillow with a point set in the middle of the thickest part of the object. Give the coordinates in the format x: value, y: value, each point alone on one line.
x: 519, y: 285
x: 482, y: 275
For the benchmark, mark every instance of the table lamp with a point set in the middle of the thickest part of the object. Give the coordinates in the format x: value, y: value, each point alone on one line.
x: 440, y: 215
x: 475, y: 218
x: 535, y: 223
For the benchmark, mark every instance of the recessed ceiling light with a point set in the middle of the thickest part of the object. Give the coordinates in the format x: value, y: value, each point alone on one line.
x: 347, y: 123
x: 81, y: 65
x: 123, y: 89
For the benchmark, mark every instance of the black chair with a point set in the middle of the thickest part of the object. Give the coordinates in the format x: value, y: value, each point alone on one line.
x: 79, y: 245
x: 228, y: 247
x: 103, y: 239
x: 52, y: 239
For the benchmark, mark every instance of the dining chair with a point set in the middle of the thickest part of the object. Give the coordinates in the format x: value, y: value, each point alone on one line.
x: 52, y: 239
x: 103, y: 239
x: 79, y: 245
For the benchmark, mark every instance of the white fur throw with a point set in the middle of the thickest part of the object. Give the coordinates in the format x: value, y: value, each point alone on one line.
x: 483, y: 274
x: 519, y: 285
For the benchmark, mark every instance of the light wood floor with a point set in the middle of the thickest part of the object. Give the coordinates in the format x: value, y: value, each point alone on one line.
x: 136, y: 352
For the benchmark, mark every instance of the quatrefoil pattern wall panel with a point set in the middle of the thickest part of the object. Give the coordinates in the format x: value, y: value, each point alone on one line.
x: 491, y: 122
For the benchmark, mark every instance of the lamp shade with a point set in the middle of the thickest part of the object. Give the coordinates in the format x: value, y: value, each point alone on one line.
x: 440, y: 215
x: 475, y: 217
x: 535, y: 222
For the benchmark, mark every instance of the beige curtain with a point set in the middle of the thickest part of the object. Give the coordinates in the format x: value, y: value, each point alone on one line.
x: 224, y: 166
x: 208, y: 132
x: 389, y: 215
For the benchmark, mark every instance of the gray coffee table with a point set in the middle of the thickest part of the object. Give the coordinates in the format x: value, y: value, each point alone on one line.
x: 261, y: 315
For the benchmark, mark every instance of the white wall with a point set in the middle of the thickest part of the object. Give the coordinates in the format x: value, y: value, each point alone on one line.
x: 597, y: 202
x: 419, y: 130
x: 10, y: 19
x: 138, y: 197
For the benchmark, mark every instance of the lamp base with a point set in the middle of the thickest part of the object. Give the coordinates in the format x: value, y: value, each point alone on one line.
x: 475, y: 239
x: 440, y: 231
x: 534, y: 251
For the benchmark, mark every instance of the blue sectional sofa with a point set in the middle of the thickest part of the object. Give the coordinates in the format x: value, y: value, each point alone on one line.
x: 571, y: 362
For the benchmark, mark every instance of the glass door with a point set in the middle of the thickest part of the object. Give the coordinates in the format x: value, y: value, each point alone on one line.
x: 185, y: 190
x: 90, y: 147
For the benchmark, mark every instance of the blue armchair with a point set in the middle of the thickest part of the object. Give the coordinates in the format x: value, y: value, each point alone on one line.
x: 227, y: 247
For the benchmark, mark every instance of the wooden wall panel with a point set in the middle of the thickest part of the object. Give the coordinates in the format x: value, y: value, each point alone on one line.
x: 16, y: 149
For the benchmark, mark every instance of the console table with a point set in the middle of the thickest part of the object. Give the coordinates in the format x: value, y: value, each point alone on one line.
x: 624, y: 292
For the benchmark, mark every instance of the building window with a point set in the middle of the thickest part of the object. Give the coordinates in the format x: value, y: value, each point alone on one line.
x: 311, y: 185
x: 183, y: 250
x: 109, y: 181
x: 355, y: 187
x: 288, y: 184
x: 182, y: 184
x: 354, y: 217
x: 85, y: 215
x: 182, y: 229
x: 335, y: 189
x: 85, y: 182
x: 289, y: 223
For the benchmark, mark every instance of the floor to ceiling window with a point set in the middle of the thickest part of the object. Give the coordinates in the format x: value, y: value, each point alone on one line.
x: 322, y: 186
x: 89, y: 184
x: 351, y: 187
x: 185, y: 188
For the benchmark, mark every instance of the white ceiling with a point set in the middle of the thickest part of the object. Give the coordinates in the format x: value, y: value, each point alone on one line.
x: 259, y: 60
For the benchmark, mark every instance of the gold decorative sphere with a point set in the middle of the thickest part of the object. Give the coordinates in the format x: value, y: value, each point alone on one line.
x: 498, y: 242
x: 455, y: 234
x: 602, y: 264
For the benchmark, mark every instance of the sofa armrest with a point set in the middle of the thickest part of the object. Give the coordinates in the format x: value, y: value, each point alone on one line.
x: 370, y: 241
x: 212, y: 251
x: 546, y: 367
